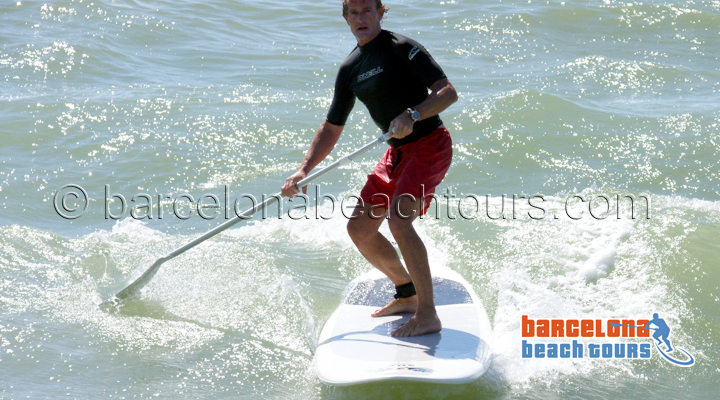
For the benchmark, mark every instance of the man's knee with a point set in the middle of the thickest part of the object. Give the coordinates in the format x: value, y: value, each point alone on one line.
x: 362, y: 227
x: 355, y: 230
x: 399, y: 224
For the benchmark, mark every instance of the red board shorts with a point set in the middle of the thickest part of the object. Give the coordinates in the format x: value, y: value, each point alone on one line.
x: 413, y: 169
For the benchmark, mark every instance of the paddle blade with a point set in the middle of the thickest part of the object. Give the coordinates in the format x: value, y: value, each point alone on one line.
x: 111, y: 305
x: 132, y: 289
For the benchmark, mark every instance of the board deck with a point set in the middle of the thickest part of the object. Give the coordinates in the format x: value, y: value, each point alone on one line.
x: 355, y: 348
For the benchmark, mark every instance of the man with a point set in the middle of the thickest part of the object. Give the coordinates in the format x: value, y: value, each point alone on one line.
x: 391, y: 75
x: 661, y: 332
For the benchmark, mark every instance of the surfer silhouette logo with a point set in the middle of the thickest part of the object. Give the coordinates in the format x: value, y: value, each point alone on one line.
x: 662, y: 331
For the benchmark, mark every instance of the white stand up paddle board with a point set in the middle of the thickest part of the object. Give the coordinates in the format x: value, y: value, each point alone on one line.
x: 356, y: 348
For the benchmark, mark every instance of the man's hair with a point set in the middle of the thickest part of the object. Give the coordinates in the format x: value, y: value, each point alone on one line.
x: 378, y: 5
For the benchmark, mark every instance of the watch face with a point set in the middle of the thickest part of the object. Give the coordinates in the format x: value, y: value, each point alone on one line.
x: 415, y: 115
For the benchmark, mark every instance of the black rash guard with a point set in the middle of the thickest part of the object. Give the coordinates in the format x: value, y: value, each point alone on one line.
x: 389, y: 75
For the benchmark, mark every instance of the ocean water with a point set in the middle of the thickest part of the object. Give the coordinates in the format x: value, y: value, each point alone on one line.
x: 166, y: 105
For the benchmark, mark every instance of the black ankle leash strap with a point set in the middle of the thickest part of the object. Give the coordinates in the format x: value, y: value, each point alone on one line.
x: 406, y: 290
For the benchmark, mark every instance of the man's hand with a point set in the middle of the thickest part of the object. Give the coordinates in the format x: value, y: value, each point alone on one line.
x: 401, y: 126
x: 290, y: 188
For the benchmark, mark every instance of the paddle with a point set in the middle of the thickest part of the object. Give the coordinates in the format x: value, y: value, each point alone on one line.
x: 143, y: 280
x: 630, y: 326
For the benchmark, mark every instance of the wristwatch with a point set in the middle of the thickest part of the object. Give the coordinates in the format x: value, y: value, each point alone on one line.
x: 414, y: 114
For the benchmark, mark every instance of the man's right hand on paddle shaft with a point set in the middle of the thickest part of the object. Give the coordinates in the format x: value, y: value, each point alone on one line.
x: 290, y: 188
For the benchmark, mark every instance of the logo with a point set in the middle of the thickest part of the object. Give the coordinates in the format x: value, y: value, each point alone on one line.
x: 598, y: 328
x: 662, y: 331
x: 413, y: 52
x: 369, y: 74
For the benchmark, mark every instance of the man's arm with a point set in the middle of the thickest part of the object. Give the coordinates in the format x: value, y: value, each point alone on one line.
x: 442, y: 95
x: 322, y: 144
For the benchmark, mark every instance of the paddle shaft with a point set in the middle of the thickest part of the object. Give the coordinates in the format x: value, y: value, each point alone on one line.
x: 140, y: 282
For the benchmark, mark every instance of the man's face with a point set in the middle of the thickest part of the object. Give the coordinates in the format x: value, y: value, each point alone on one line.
x: 364, y: 20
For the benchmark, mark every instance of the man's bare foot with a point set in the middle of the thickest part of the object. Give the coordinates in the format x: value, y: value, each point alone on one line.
x: 419, y: 325
x: 397, y: 306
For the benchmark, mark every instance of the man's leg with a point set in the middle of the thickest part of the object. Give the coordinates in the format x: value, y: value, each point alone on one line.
x: 667, y: 342
x: 402, y: 214
x: 363, y: 229
x: 657, y: 335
